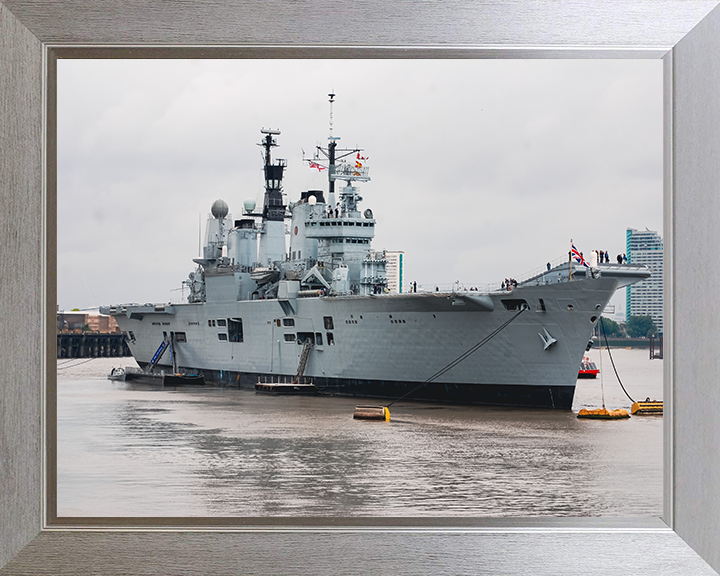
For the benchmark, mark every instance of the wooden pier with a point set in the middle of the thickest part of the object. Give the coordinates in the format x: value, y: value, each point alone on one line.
x: 95, y: 345
x: 656, y: 348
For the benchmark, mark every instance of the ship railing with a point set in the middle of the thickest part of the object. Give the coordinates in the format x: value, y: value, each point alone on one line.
x: 539, y: 271
x: 457, y: 287
x: 284, y: 379
x: 490, y: 287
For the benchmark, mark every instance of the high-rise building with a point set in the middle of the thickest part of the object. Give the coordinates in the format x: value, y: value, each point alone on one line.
x: 394, y: 271
x: 645, y: 298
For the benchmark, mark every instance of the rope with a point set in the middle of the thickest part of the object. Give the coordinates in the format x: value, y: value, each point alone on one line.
x: 602, y: 325
x: 73, y: 365
x: 460, y: 358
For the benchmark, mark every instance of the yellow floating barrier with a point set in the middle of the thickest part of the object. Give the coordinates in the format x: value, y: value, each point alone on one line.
x: 603, y: 414
x: 647, y: 407
x: 372, y: 413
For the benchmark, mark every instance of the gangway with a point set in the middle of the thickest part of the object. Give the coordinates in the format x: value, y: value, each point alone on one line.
x: 164, y: 345
x: 303, y: 359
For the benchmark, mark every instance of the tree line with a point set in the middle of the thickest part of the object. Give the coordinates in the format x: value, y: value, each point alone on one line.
x: 636, y: 327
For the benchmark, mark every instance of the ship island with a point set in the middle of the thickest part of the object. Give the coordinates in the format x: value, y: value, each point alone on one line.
x: 315, y: 310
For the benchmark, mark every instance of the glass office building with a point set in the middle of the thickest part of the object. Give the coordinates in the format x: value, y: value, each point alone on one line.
x: 645, y: 298
x: 394, y: 271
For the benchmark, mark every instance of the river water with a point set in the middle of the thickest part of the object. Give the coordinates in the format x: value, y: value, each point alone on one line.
x: 138, y: 450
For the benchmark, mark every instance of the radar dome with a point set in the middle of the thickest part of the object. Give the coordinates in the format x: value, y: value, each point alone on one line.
x: 312, y: 200
x: 219, y: 209
x: 249, y: 205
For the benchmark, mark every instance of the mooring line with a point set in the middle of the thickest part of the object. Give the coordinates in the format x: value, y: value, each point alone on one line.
x: 460, y: 358
x: 73, y: 365
x: 602, y: 325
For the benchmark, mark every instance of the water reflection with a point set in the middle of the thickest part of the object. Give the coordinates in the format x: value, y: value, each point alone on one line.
x: 136, y: 450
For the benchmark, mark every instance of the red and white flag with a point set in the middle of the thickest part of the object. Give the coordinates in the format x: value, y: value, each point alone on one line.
x: 318, y: 166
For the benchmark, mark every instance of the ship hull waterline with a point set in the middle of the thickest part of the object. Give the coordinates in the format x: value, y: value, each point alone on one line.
x: 519, y: 395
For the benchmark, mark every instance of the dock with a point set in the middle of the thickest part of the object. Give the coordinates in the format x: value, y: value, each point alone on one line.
x: 291, y: 388
x: 93, y: 345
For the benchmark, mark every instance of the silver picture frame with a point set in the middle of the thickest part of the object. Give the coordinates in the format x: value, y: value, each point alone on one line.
x: 684, y: 33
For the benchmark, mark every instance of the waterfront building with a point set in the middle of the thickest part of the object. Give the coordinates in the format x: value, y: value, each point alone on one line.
x: 394, y: 271
x: 645, y: 298
x: 75, y: 321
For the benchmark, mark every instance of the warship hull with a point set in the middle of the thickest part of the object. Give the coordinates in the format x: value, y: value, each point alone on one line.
x: 509, y: 348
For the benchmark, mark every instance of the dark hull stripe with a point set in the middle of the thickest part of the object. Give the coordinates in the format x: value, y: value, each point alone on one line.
x: 521, y: 395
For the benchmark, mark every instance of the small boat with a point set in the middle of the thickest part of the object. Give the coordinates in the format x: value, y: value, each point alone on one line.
x: 588, y: 369
x: 262, y: 275
x: 117, y: 374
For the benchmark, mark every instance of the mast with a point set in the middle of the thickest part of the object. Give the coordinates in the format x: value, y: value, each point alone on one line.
x: 272, y: 241
x: 332, y: 144
x: 343, y: 170
x: 273, y: 208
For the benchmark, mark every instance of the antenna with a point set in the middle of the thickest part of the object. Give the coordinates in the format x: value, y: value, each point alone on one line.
x: 332, y: 99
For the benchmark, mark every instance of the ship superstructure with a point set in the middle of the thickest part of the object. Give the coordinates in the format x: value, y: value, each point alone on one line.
x: 318, y: 306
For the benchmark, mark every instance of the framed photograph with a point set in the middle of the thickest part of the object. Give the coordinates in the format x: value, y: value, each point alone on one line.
x: 34, y: 541
x: 479, y: 169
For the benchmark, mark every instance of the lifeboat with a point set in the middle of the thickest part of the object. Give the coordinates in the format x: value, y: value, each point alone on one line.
x: 263, y: 275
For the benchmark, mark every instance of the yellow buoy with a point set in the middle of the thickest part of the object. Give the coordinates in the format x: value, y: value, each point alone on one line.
x: 647, y: 407
x: 603, y: 414
x: 372, y: 413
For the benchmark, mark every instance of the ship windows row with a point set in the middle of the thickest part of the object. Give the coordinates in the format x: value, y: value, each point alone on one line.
x: 314, y: 338
x: 339, y: 222
x: 234, y: 329
x: 350, y: 240
x: 327, y: 322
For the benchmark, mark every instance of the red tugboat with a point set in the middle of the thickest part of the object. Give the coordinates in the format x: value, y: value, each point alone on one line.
x: 588, y: 369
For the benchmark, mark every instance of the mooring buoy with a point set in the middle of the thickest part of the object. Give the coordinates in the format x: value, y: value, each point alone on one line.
x: 647, y: 407
x: 603, y: 414
x: 363, y: 412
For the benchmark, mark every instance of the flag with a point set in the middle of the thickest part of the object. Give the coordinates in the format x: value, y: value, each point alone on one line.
x: 361, y: 157
x: 358, y: 165
x: 578, y: 257
x: 316, y: 165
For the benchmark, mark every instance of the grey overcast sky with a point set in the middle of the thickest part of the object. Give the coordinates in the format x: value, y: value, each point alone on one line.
x: 481, y: 169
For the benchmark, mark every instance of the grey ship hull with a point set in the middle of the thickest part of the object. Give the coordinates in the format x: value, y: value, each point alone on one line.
x: 384, y: 346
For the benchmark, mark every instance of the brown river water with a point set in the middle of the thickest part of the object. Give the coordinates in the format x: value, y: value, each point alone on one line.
x: 138, y: 450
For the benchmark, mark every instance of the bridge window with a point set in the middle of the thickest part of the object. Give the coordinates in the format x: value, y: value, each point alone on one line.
x: 221, y: 322
x: 288, y: 322
x: 330, y: 339
x: 318, y: 338
x: 222, y: 337
x: 328, y: 323
x: 180, y: 337
x: 289, y: 337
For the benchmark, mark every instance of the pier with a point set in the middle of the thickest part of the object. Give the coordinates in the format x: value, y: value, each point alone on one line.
x: 95, y: 345
x: 656, y: 348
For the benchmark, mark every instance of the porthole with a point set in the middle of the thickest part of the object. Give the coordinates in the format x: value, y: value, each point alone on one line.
x: 593, y: 318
